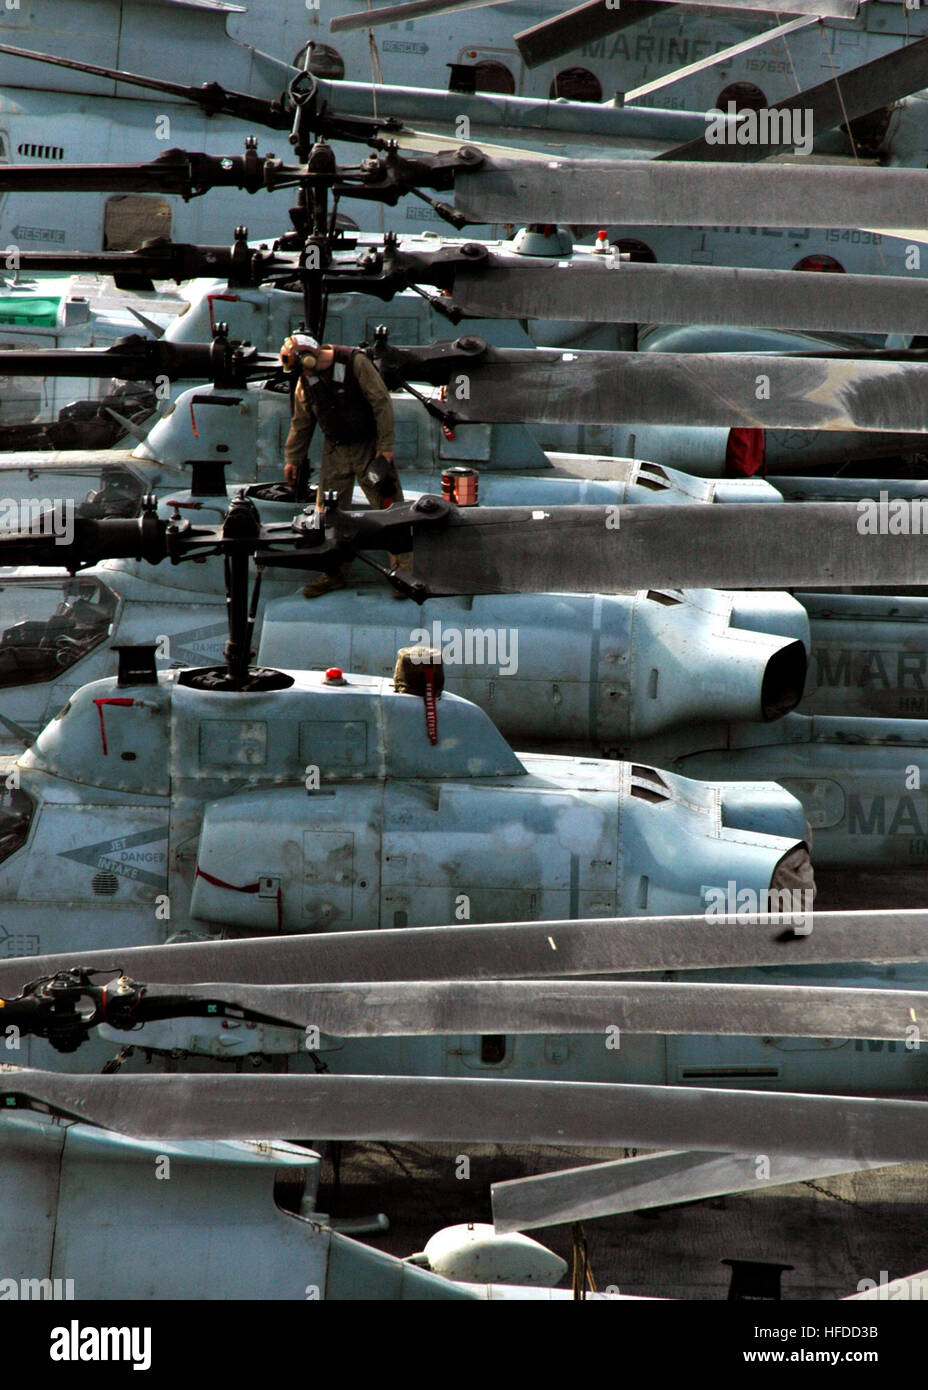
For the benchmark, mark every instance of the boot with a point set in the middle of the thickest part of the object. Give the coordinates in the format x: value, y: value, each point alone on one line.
x: 325, y: 584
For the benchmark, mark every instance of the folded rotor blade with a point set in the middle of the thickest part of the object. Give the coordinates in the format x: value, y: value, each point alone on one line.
x: 408, y: 9
x: 505, y: 950
x: 640, y: 1184
x: 655, y: 192
x: 840, y: 99
x: 594, y: 292
x: 478, y: 1110
x: 718, y: 59
x: 836, y: 9
x: 420, y: 1008
x: 751, y: 546
x: 211, y: 96
x: 579, y: 25
x: 721, y: 389
x: 583, y: 24
x: 586, y: 23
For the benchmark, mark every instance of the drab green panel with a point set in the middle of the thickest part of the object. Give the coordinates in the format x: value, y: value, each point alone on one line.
x: 36, y: 312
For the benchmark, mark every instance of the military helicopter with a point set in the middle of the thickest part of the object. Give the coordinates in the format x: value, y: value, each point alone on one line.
x: 485, y: 281
x: 463, y: 748
x: 882, y: 80
x: 250, y: 1197
x: 839, y: 737
x: 421, y: 59
x: 547, y: 678
x: 520, y: 973
x: 719, y: 288
x: 527, y: 566
x: 594, y: 37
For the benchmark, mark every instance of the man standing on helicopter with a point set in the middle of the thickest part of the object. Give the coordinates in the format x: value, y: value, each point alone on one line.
x: 340, y: 389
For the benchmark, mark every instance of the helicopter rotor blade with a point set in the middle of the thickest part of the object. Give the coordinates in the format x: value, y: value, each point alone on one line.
x: 422, y: 1008
x: 505, y: 950
x: 498, y: 550
x: 641, y: 1184
x: 494, y: 189
x: 409, y: 9
x: 583, y: 24
x: 815, y: 392
x: 212, y: 97
x: 841, y: 99
x: 598, y: 550
x: 819, y: 391
x: 669, y: 193
x: 594, y: 291
x: 579, y: 24
x: 476, y: 1110
x: 587, y: 289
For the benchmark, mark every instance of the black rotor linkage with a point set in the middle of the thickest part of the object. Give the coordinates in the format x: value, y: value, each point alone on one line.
x: 384, y: 176
x: 223, y: 362
x: 380, y: 272
x: 64, y: 1007
x: 315, y: 540
x: 300, y: 109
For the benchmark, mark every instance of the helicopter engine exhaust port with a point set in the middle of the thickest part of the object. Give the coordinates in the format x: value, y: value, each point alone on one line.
x: 784, y: 681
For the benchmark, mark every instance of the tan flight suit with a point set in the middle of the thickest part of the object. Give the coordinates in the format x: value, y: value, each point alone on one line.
x: 343, y: 464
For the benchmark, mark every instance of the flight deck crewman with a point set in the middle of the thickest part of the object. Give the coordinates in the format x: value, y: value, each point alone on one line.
x: 342, y: 390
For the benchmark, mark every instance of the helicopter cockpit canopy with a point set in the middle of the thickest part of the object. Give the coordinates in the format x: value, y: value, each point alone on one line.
x: 45, y: 628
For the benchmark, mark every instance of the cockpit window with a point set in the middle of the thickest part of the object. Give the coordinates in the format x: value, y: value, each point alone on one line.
x: 16, y: 812
x: 44, y: 629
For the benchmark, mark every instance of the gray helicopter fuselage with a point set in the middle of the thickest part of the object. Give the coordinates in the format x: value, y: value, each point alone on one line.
x: 661, y: 677
x: 225, y: 1204
x: 149, y: 810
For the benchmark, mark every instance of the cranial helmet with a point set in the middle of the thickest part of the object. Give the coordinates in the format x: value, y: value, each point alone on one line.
x: 299, y: 351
